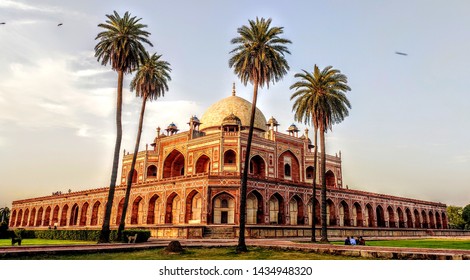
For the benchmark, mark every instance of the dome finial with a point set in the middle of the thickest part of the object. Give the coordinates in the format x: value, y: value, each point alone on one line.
x: 233, y: 90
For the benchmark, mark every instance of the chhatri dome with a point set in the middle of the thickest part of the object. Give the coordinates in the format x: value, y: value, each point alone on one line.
x: 215, y: 115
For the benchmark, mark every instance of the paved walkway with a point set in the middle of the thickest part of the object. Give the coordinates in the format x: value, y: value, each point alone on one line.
x: 297, y: 244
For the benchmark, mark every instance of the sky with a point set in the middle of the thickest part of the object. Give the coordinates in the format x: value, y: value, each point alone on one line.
x: 406, y: 134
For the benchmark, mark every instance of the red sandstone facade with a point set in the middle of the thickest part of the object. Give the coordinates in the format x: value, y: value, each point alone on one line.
x: 191, y: 179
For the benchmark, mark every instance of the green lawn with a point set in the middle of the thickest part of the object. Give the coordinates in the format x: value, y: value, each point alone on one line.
x: 29, y: 242
x: 228, y: 253
x: 420, y: 243
x: 217, y: 253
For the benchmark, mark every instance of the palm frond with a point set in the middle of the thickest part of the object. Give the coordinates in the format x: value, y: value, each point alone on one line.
x: 320, y: 96
x: 121, y: 42
x: 259, y: 53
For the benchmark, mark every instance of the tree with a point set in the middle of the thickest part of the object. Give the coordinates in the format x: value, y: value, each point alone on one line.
x: 303, y: 109
x: 454, y: 217
x: 258, y: 58
x: 150, y: 82
x: 321, y: 94
x: 4, y: 215
x: 120, y: 44
x: 466, y: 215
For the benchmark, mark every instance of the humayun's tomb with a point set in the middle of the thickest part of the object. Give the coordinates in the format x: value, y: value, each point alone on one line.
x: 187, y: 185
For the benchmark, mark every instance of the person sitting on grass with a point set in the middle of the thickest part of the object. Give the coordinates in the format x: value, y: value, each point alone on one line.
x: 347, y: 241
x: 353, y: 241
x: 361, y: 241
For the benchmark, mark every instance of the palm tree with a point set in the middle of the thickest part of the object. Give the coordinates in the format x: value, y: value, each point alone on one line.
x: 304, y: 113
x: 4, y: 215
x: 120, y: 44
x: 321, y: 95
x: 258, y: 58
x: 150, y: 82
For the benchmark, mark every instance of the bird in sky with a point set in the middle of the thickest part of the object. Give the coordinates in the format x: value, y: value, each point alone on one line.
x: 60, y: 24
x: 2, y: 22
x: 401, y: 53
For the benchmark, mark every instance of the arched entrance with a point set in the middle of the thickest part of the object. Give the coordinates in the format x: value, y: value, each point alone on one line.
x: 230, y: 158
x: 357, y: 215
x: 119, y: 211
x: 12, y: 218
x: 425, y: 219
x: 173, y: 166
x: 95, y: 214
x: 63, y: 217
x: 296, y: 211
x: 151, y: 171
x: 276, y: 209
x: 83, y: 215
x: 136, y: 214
x: 32, y: 217
x: 444, y: 221
x: 288, y: 166
x: 432, y: 224
x: 330, y: 213
x: 223, y: 209
x: 47, y: 217
x: 74, y: 215
x: 257, y: 166
x: 39, y: 219
x: 369, y: 216
x: 409, y: 218
x: 344, y: 217
x: 254, y: 208
x: 55, y: 216
x: 19, y: 218
x: 401, y: 218
x: 203, y: 164
x: 309, y: 173
x: 380, y: 216
x: 317, y: 212
x: 135, y: 177
x: 154, y: 210
x: 25, y: 218
x: 438, y: 221
x: 193, y: 208
x: 330, y: 179
x: 173, y: 209
x: 391, y: 217
x: 417, y: 219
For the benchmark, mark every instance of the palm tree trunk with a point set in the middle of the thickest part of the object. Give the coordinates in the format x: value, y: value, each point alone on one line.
x: 324, y: 234
x: 241, y: 247
x: 315, y: 152
x: 131, y: 172
x: 105, y: 230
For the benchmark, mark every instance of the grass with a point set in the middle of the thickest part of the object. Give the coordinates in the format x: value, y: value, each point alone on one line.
x: 431, y: 243
x: 195, y: 253
x: 30, y: 242
x: 228, y: 253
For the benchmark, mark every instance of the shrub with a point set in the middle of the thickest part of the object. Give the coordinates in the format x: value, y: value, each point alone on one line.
x: 87, y: 235
x: 23, y: 233
x: 142, y: 235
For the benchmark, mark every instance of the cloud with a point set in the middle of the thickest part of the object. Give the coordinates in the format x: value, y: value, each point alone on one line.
x: 23, y: 22
x: 462, y: 158
x: 25, y: 7
x: 91, y: 72
x: 46, y: 93
x: 76, y: 93
x: 84, y: 131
